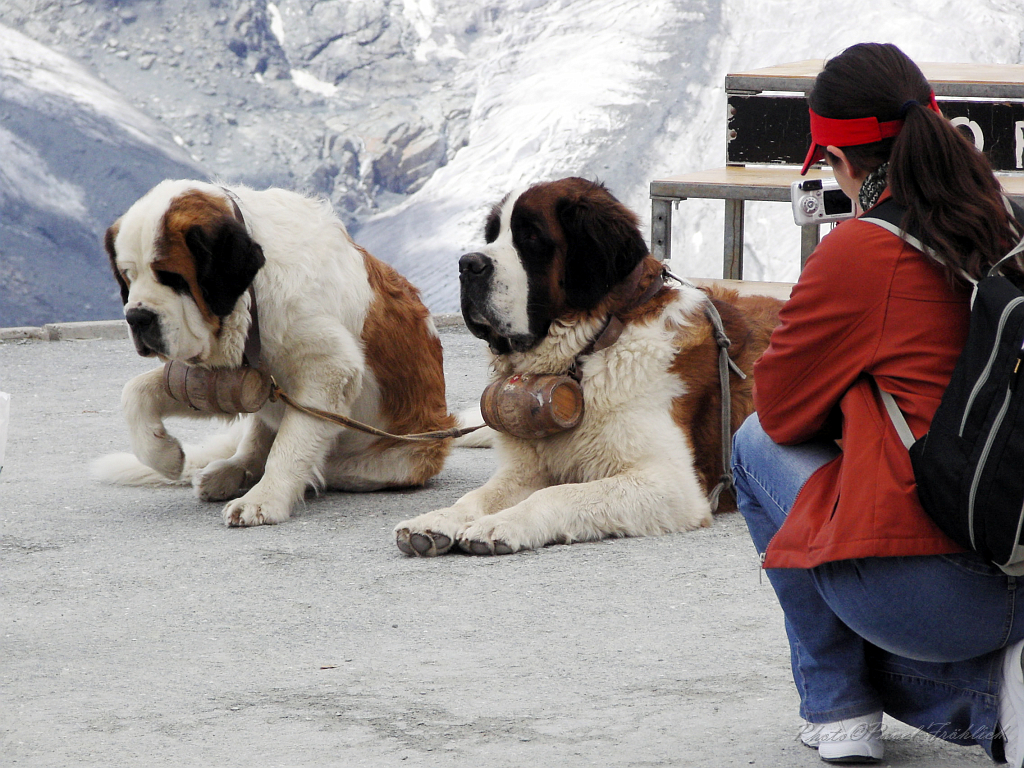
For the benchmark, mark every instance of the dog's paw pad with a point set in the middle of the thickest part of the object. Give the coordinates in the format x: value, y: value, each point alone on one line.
x: 426, y: 544
x: 475, y: 547
x: 244, y: 514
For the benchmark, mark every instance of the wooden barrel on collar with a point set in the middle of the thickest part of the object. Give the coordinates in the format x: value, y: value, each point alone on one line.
x: 533, y: 406
x: 228, y: 391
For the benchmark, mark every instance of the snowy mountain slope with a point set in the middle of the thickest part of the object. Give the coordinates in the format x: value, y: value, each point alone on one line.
x: 413, y: 116
x: 630, y: 91
x: 582, y: 88
x: 73, y: 156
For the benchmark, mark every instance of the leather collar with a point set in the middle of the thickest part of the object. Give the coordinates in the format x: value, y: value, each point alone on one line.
x: 614, y: 326
x: 630, y: 288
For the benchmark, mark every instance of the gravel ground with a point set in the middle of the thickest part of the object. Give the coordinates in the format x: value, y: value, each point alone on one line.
x: 135, y: 629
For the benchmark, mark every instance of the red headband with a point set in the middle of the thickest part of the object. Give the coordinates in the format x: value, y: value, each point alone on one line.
x: 827, y: 131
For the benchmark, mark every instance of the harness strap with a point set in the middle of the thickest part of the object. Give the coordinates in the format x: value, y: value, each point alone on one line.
x: 896, y: 416
x: 726, y: 482
x: 253, y: 344
x: 888, y: 215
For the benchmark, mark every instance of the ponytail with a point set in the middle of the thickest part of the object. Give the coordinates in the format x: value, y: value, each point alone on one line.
x: 951, y: 196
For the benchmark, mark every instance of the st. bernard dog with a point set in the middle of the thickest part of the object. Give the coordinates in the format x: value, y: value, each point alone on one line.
x: 339, y: 331
x: 563, y: 262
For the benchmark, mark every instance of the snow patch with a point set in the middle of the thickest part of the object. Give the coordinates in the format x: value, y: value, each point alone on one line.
x: 25, y: 176
x: 276, y: 22
x: 308, y: 82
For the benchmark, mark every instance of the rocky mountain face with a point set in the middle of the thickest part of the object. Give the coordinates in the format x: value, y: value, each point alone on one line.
x: 332, y: 97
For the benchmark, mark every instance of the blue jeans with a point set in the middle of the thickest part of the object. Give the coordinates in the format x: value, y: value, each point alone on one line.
x: 918, y: 637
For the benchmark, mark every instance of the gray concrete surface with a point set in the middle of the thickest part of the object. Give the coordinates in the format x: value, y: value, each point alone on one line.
x: 136, y: 630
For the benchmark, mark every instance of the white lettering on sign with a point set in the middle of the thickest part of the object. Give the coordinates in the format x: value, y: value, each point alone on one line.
x: 1018, y: 142
x: 974, y: 128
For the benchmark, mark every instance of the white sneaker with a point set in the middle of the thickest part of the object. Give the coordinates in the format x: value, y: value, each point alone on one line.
x: 855, y: 740
x: 1011, y: 705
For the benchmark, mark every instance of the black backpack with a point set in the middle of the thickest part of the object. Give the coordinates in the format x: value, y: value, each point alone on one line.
x: 969, y: 467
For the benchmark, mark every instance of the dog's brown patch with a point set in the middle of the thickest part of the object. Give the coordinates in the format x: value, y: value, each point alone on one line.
x: 407, y: 361
x: 192, y: 209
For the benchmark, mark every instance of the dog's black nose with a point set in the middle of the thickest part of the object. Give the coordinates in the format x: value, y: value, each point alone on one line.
x: 140, y: 319
x: 475, y: 265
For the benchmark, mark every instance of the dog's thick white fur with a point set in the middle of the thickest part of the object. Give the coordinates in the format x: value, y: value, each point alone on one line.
x: 340, y: 331
x: 648, y: 449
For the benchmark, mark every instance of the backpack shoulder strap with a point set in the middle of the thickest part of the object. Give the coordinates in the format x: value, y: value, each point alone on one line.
x: 889, y: 215
x: 1016, y: 211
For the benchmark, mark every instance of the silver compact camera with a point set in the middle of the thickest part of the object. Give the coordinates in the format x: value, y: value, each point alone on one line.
x: 819, y: 201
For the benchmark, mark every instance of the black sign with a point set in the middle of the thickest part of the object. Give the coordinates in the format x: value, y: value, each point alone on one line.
x: 777, y: 130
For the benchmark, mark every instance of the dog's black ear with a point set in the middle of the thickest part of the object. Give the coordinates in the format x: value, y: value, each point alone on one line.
x: 603, y: 243
x: 226, y: 259
x: 108, y: 243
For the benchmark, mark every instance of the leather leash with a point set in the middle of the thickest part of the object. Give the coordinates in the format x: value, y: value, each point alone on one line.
x: 276, y: 393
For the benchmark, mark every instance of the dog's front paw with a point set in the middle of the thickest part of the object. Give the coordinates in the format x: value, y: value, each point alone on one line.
x: 162, y: 452
x: 428, y: 535
x: 492, y: 536
x: 251, y: 510
x: 422, y: 543
x: 222, y: 480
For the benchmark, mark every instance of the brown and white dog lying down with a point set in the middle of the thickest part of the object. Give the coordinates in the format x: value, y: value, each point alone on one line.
x: 560, y: 260
x: 340, y: 331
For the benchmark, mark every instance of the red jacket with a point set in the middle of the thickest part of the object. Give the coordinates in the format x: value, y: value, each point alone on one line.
x: 867, y: 304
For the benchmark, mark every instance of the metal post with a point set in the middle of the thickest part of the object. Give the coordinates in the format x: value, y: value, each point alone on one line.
x: 661, y: 228
x: 809, y: 238
x: 732, y: 268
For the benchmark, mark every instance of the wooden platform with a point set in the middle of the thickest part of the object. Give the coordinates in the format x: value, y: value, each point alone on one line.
x: 995, y: 81
x: 737, y: 184
x: 766, y: 183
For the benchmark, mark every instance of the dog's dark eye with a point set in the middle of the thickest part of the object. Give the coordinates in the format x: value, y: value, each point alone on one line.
x: 492, y: 227
x: 172, y: 280
x: 527, y: 233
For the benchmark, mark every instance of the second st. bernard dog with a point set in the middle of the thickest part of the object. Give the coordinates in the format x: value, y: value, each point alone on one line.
x: 338, y: 330
x: 563, y: 262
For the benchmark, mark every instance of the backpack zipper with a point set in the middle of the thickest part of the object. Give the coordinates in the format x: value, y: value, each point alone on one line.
x: 981, y: 463
x: 988, y: 366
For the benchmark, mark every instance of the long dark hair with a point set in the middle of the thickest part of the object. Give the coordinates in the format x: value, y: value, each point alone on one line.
x: 953, y: 201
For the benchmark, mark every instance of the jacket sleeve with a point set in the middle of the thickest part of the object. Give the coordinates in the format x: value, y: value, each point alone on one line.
x: 828, y: 333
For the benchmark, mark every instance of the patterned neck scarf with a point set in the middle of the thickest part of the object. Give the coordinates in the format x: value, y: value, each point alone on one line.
x: 873, y: 187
